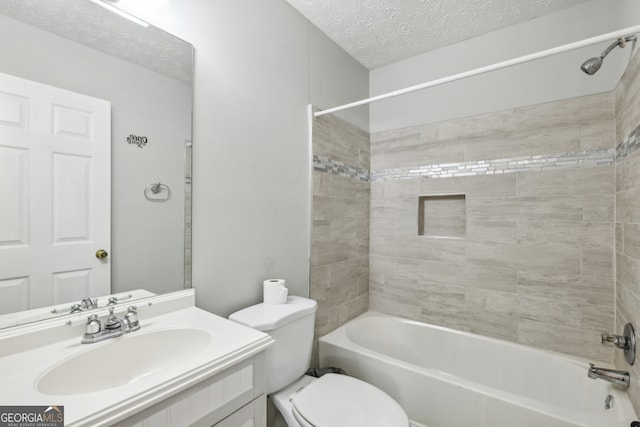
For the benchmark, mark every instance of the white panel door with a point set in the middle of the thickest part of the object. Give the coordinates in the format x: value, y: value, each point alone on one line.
x: 55, y: 156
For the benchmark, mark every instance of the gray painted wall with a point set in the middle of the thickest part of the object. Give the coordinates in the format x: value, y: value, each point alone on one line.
x: 258, y: 64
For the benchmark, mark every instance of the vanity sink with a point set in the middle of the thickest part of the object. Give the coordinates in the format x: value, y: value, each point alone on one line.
x: 123, y: 360
x: 178, y: 349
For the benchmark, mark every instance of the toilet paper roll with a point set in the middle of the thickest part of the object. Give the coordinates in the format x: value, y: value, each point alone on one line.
x: 274, y: 291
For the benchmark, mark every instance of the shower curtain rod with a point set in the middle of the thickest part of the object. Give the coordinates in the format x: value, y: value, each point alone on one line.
x: 488, y: 68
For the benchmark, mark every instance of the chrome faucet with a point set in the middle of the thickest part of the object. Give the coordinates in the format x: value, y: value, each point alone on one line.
x: 88, y: 303
x: 616, y: 377
x: 113, y: 327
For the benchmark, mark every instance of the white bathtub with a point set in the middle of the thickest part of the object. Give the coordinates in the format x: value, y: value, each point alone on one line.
x: 447, y: 378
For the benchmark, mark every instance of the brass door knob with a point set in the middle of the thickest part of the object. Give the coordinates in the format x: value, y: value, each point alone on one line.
x: 102, y: 254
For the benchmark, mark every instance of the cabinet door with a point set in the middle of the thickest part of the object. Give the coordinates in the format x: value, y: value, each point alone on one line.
x: 251, y: 415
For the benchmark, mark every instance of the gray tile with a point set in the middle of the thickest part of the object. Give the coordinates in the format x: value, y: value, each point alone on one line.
x: 568, y: 287
x: 377, y: 190
x: 402, y: 188
x: 525, y: 208
x: 433, y: 296
x: 320, y: 278
x: 570, y: 182
x: 619, y: 246
x: 475, y: 321
x: 550, y: 258
x: 404, y: 137
x: 531, y: 307
x: 598, y: 135
x: 401, y: 207
x: 501, y: 278
x: 321, y: 184
x: 344, y: 270
x: 628, y: 205
x: 329, y: 252
x: 321, y: 229
x: 627, y: 96
x: 490, y: 324
x: 348, y: 228
x: 477, y: 186
x: 524, y: 142
x: 376, y: 207
x: 501, y: 231
x: 597, y: 262
x: 377, y: 245
x: 598, y: 207
x: 628, y: 303
x: 346, y: 187
x: 334, y: 207
x: 628, y: 272
x: 426, y: 248
x: 575, y: 341
x: 583, y: 234
x: 628, y: 172
x: 597, y: 317
x: 397, y: 306
x: 631, y: 240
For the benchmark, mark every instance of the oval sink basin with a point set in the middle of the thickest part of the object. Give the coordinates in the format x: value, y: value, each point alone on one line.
x: 122, y: 361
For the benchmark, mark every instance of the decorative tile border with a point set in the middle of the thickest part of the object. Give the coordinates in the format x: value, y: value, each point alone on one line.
x: 540, y: 162
x: 336, y: 167
x: 628, y: 145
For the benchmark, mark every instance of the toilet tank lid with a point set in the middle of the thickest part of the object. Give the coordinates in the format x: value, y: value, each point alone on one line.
x: 266, y: 317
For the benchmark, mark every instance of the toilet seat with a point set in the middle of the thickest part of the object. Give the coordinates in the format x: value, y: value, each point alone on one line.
x: 339, y: 400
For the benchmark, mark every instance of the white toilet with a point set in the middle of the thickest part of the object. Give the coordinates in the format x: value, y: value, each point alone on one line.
x: 303, y: 401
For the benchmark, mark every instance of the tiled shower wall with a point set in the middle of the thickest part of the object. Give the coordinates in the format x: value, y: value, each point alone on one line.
x: 340, y: 232
x: 533, y: 262
x: 627, y: 106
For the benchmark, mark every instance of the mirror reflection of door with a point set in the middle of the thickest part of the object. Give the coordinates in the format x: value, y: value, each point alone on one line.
x: 54, y: 195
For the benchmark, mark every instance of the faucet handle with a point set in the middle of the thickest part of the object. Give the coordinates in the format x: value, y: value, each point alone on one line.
x: 93, y: 324
x: 611, y: 340
x: 131, y: 318
x: 626, y: 342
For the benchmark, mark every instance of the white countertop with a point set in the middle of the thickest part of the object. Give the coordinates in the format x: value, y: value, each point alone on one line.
x: 21, y: 370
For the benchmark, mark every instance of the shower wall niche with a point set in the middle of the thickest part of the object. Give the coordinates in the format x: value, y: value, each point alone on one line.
x: 442, y: 216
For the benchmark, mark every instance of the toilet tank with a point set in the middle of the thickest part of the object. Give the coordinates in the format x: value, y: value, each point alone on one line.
x: 291, y: 327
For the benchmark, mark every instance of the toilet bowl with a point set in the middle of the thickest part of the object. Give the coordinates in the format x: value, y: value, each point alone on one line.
x: 332, y: 400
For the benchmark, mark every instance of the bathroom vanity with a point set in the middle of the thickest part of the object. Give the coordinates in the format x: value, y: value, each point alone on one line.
x: 183, y: 367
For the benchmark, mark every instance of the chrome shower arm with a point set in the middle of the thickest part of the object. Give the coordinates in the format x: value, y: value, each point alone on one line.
x: 620, y: 42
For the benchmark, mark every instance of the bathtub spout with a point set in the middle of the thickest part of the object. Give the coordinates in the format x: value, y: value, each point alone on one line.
x: 611, y: 375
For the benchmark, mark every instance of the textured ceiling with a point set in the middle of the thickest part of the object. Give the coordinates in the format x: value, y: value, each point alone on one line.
x: 379, y: 32
x: 98, y: 28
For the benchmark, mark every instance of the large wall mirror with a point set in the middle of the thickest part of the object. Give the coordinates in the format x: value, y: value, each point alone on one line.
x: 95, y: 155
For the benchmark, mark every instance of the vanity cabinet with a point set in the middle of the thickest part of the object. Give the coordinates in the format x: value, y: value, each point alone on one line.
x: 234, y: 397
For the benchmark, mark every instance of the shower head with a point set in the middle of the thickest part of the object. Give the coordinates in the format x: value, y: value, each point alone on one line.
x: 591, y: 66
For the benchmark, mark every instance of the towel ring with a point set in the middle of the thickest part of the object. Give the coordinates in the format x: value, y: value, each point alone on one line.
x: 153, y: 192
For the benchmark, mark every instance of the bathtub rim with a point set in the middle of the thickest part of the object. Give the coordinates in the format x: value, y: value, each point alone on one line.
x: 340, y: 333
